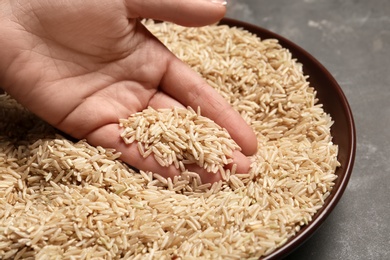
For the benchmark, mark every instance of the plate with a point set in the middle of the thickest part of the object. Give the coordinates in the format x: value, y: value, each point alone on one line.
x: 343, y: 130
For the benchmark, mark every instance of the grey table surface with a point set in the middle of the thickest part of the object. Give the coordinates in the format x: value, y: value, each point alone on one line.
x: 351, y: 38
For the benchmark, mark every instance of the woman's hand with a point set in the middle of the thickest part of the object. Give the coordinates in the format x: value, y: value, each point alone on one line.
x: 83, y: 65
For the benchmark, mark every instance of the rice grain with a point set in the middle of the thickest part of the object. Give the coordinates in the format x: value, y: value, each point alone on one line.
x: 69, y: 200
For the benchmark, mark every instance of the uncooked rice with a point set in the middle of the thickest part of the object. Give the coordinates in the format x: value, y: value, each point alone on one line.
x: 65, y: 199
x: 179, y: 135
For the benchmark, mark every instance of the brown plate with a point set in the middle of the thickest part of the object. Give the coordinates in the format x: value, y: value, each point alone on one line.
x: 335, y: 103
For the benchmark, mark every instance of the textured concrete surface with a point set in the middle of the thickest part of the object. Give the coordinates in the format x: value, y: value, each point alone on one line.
x: 351, y: 38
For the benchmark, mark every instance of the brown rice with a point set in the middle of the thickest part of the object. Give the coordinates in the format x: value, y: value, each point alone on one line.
x: 62, y: 199
x: 179, y: 135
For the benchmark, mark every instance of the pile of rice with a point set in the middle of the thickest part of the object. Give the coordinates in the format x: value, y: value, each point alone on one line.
x: 179, y: 136
x: 65, y: 199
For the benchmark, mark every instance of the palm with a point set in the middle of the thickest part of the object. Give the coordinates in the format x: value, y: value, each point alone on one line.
x: 98, y: 66
x: 92, y: 65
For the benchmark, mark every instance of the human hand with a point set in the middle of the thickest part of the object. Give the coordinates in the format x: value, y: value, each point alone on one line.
x: 83, y: 65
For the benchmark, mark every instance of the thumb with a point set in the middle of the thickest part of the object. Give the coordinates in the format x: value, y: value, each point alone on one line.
x: 182, y: 12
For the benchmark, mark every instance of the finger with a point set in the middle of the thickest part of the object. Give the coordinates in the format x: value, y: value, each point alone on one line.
x: 205, y: 176
x: 188, y: 87
x: 187, y: 13
x: 109, y: 136
x: 162, y: 100
x: 243, y: 163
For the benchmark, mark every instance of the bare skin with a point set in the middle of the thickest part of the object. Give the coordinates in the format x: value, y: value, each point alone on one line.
x: 82, y: 65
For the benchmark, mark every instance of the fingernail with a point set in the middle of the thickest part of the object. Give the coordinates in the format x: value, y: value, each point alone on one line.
x: 221, y: 2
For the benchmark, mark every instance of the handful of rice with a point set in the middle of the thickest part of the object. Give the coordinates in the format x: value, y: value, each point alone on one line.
x: 179, y: 136
x: 70, y: 200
